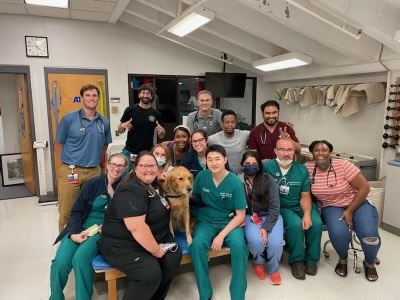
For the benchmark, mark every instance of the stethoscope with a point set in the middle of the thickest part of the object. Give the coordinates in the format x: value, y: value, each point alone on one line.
x: 99, y: 128
x: 196, y: 121
x: 331, y: 169
x: 263, y: 141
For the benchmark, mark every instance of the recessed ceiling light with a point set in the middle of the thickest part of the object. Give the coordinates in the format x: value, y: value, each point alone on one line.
x: 49, y: 3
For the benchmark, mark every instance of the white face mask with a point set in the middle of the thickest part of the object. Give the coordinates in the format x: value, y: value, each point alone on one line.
x: 160, y: 160
x: 285, y: 162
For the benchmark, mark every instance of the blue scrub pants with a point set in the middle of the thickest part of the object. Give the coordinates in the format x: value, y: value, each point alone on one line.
x: 272, y: 252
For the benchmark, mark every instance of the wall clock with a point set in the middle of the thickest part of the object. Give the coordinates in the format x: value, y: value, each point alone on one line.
x: 36, y: 46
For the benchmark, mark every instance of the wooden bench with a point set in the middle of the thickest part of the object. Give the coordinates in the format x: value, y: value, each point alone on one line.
x: 111, y: 275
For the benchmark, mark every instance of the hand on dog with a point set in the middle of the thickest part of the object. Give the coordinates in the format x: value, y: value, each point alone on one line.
x: 217, y: 243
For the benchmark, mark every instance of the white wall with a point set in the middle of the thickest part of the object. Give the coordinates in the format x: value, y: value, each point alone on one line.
x: 119, y: 48
x: 360, y: 133
x: 8, y: 102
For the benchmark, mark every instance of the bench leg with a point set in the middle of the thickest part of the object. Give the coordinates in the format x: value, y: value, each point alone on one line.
x: 112, y: 289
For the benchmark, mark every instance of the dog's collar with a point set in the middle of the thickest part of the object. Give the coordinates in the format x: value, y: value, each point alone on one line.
x: 174, y: 196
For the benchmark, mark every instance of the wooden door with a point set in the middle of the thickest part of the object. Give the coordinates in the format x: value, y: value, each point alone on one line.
x: 24, y: 132
x: 63, y: 91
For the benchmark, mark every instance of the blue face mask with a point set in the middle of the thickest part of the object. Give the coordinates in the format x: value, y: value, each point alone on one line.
x: 161, y: 161
x: 250, y: 170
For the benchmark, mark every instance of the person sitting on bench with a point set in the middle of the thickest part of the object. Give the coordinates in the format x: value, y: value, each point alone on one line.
x: 136, y: 231
x: 78, y: 245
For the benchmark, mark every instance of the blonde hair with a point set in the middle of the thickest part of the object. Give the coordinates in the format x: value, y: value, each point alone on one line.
x: 119, y: 155
x: 168, y: 161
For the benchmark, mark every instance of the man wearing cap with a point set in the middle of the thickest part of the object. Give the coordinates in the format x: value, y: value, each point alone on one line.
x: 81, y: 141
x: 233, y: 140
x: 263, y: 137
x: 206, y: 118
x: 141, y: 120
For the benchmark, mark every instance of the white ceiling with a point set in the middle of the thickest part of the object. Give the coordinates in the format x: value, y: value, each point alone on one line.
x: 249, y: 30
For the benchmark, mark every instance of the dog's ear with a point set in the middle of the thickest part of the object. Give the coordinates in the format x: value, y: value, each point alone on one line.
x: 174, y: 184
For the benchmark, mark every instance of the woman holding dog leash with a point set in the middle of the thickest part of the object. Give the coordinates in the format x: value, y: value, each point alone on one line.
x: 136, y: 238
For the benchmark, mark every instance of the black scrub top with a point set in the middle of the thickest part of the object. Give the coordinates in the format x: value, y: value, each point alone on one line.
x: 133, y: 199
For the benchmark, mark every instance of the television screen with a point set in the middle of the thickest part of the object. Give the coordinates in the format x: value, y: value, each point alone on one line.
x: 226, y: 85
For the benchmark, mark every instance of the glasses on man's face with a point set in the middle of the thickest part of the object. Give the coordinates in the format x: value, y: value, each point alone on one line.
x: 285, y: 150
x: 199, y: 141
x: 114, y: 165
x: 147, y: 167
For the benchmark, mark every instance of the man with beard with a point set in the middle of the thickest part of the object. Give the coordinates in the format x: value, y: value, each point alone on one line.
x: 206, y: 117
x: 141, y: 120
x: 233, y: 140
x: 263, y: 137
x: 302, y: 222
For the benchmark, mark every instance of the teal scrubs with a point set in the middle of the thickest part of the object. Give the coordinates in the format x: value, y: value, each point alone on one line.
x: 78, y: 256
x: 291, y: 186
x: 220, y: 202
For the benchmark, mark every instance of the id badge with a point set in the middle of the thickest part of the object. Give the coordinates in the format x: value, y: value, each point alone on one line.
x: 284, y: 190
x: 73, y: 178
x: 165, y: 203
x: 255, y: 219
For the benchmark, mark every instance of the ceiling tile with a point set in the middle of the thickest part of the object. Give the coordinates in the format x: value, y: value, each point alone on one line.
x: 47, y: 11
x: 92, y: 5
x: 89, y: 15
x: 12, y: 9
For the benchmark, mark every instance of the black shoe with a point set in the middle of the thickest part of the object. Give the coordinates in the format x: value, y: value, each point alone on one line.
x: 311, y: 269
x: 298, y: 270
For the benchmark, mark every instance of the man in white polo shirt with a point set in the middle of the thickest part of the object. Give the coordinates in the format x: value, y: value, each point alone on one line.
x: 233, y: 140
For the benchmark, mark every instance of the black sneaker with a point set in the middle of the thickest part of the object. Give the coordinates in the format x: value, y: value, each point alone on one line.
x: 298, y: 270
x: 311, y: 269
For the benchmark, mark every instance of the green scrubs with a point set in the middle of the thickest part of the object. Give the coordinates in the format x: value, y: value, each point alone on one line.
x: 291, y: 186
x: 220, y: 202
x: 78, y: 256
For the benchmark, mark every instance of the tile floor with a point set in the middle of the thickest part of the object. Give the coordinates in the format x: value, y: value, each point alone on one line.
x: 28, y: 230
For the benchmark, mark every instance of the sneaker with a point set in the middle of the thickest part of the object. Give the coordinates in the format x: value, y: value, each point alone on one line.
x: 275, y: 278
x: 311, y: 269
x: 298, y: 270
x: 259, y: 271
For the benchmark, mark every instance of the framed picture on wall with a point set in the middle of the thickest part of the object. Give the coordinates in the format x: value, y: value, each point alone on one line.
x: 11, y: 169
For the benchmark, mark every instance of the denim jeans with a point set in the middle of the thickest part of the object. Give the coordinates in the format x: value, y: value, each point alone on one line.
x: 365, y: 225
x: 274, y: 245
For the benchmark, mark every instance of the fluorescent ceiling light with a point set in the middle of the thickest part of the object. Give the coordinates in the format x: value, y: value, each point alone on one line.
x: 397, y: 36
x: 284, y: 61
x: 49, y: 3
x: 190, y: 20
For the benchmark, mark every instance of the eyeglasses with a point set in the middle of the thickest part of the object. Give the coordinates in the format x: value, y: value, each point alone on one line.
x: 199, y: 141
x: 285, y: 150
x: 153, y: 167
x: 229, y: 122
x: 113, y: 166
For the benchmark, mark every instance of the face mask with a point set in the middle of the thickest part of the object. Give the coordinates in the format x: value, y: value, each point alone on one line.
x: 285, y: 162
x: 250, y: 170
x: 322, y: 163
x: 161, y: 161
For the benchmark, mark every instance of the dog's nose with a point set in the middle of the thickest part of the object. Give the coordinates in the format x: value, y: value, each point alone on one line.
x: 189, y: 189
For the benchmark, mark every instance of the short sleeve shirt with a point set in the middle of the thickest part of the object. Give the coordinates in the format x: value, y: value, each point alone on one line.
x: 81, y: 136
x: 211, y: 124
x: 140, y: 137
x: 291, y: 185
x: 333, y: 188
x: 132, y: 199
x: 264, y: 141
x: 220, y: 202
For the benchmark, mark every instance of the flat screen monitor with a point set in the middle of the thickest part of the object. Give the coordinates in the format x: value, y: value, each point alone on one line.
x: 226, y: 85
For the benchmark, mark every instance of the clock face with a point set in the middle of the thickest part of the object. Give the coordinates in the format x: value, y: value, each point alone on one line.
x: 36, y: 46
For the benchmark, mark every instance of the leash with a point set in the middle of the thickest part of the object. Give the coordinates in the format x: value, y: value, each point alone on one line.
x: 174, y: 196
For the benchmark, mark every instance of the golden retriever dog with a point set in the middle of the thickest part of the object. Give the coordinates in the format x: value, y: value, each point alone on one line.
x: 178, y: 185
